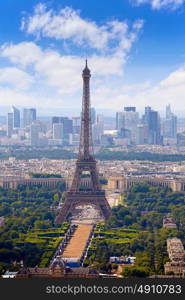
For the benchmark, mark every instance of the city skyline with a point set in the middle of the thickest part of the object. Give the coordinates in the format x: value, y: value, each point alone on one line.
x: 128, y: 127
x: 134, y: 49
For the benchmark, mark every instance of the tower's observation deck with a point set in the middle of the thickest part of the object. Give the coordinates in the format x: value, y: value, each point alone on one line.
x: 85, y: 166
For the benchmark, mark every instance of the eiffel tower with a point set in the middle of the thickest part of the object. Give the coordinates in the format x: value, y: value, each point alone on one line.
x: 85, y: 188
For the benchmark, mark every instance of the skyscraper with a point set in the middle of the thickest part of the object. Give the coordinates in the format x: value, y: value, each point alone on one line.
x: 119, y: 121
x: 170, y: 124
x: 126, y: 123
x: 93, y: 115
x: 16, y: 117
x: 29, y: 116
x: 152, y: 121
x: 34, y: 134
x: 9, y: 124
x: 142, y: 134
x: 76, y: 125
x: 130, y: 108
x: 130, y: 122
x: 98, y: 128
x: 168, y: 111
x: 67, y: 124
x: 57, y: 131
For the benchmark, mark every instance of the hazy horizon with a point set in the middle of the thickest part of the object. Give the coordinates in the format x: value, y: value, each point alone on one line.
x: 72, y: 112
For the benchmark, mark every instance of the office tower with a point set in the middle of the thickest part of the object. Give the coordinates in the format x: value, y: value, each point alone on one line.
x: 100, y: 118
x: 16, y: 117
x: 57, y: 131
x: 55, y: 120
x: 168, y: 111
x: 34, y: 134
x: 120, y: 121
x: 170, y: 124
x: 170, y: 127
x: 93, y: 115
x: 130, y: 109
x: 76, y: 125
x: 9, y: 124
x: 74, y: 139
x: 98, y: 129
x: 142, y: 134
x: 99, y: 125
x: 126, y: 123
x: 97, y: 132
x: 152, y: 121
x: 67, y: 124
x: 130, y: 122
x: 29, y: 116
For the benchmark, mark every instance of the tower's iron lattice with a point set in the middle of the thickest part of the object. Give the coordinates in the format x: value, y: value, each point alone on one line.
x: 91, y: 193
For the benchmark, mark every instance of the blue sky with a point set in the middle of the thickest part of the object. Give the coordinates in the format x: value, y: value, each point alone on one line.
x: 135, y: 48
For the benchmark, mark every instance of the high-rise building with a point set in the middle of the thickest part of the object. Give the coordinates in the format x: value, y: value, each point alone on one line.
x: 74, y: 139
x: 168, y: 111
x: 9, y: 124
x: 142, y: 134
x: 55, y: 120
x: 130, y: 108
x: 67, y: 124
x: 93, y: 115
x: 98, y: 128
x: 152, y: 120
x: 58, y: 131
x: 100, y: 118
x: 170, y: 124
x: 16, y: 117
x: 34, y: 134
x: 97, y: 132
x: 67, y: 128
x: 29, y: 116
x: 130, y: 121
x: 119, y: 121
x: 76, y: 125
x: 170, y: 127
x: 126, y: 123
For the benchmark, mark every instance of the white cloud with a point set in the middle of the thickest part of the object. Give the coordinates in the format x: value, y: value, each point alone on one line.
x: 55, y: 77
x: 105, y: 94
x: 158, y: 4
x: 10, y: 96
x: 60, y: 83
x: 16, y: 78
x: 24, y: 54
x: 176, y: 78
x: 60, y: 71
x: 68, y: 25
x: 58, y: 75
x: 115, y: 96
